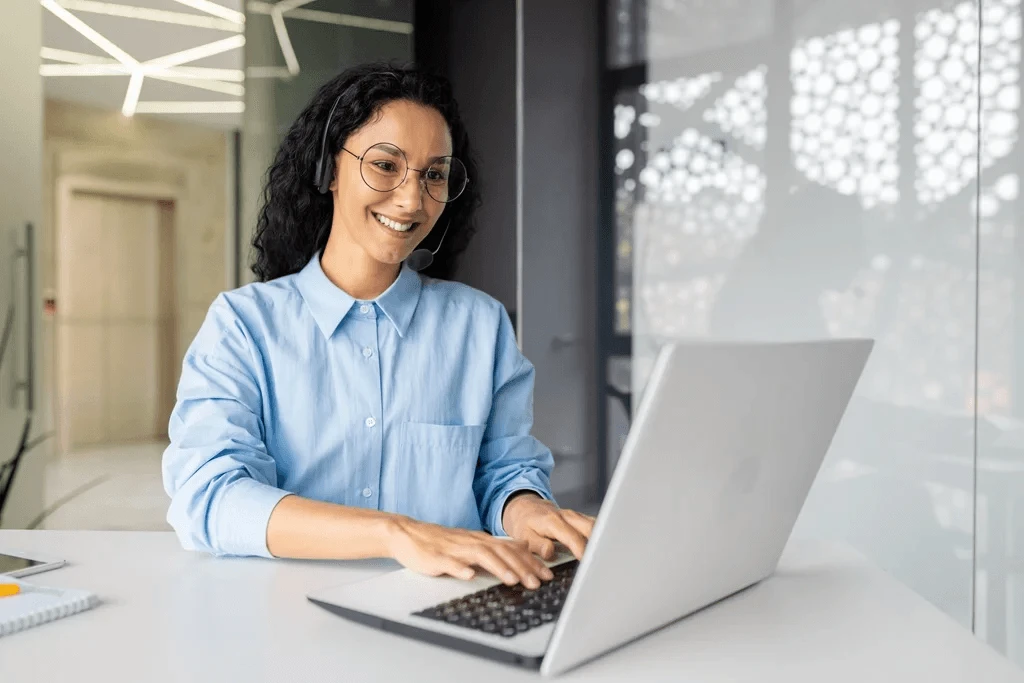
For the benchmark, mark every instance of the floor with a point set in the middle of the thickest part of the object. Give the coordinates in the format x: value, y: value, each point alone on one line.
x: 110, y: 487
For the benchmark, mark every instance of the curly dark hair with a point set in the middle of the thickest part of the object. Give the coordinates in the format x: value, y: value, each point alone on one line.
x: 295, y: 219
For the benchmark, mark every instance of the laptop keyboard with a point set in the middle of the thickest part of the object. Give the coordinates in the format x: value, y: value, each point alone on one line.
x: 507, y: 610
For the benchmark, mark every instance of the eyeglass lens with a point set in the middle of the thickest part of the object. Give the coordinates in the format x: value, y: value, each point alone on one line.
x: 384, y: 168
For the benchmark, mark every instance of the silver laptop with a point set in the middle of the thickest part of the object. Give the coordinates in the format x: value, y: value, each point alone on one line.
x: 726, y: 443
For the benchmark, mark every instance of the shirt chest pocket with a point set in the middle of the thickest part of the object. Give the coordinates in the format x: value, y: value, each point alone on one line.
x: 438, y: 464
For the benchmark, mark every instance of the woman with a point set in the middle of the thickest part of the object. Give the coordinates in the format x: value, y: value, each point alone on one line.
x: 344, y: 406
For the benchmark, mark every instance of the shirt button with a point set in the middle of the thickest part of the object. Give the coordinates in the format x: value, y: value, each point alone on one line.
x: 367, y: 352
x: 370, y: 422
x: 364, y: 308
x: 367, y: 493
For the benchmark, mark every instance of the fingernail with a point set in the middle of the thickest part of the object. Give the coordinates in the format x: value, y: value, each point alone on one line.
x: 532, y: 583
x: 548, y: 575
x: 510, y: 578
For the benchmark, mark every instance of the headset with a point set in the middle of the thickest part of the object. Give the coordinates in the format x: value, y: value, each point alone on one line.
x: 324, y: 171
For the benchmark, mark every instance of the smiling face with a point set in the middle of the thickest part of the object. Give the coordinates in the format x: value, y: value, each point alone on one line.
x: 385, y: 227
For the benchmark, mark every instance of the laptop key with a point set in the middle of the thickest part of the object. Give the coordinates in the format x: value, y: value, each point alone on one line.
x: 507, y: 610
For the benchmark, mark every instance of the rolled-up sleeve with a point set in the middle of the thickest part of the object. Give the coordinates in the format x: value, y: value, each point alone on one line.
x: 511, y: 459
x: 217, y: 471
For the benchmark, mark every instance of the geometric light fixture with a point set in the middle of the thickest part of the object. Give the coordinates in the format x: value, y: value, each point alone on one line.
x: 178, y: 67
x: 281, y: 31
x: 225, y: 81
x: 292, y: 9
x: 224, y: 19
x: 169, y: 67
x: 214, y: 9
x: 178, y: 107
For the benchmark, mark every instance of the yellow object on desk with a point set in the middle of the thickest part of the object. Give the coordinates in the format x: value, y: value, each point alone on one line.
x: 25, y: 605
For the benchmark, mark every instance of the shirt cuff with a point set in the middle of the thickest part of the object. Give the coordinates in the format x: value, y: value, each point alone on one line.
x: 497, y: 529
x: 244, y: 513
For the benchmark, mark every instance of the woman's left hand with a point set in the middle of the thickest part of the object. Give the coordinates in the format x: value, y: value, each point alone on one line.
x: 540, y: 523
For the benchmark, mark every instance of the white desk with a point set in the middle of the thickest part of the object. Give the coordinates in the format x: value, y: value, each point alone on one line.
x: 170, y: 615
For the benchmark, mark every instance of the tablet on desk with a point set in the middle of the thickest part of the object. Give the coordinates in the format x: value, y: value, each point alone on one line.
x: 18, y: 564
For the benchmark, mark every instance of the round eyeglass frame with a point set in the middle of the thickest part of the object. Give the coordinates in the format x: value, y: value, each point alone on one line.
x: 422, y: 172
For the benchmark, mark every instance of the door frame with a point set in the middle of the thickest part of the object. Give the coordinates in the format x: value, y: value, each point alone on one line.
x: 67, y: 186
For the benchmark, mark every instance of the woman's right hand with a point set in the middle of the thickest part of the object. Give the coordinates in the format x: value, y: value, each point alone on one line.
x: 434, y: 550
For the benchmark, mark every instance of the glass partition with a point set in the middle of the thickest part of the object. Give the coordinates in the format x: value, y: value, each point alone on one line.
x: 999, y: 578
x: 21, y: 177
x: 791, y: 170
x: 289, y: 55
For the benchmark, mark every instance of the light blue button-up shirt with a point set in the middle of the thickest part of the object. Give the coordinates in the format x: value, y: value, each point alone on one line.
x: 418, y: 402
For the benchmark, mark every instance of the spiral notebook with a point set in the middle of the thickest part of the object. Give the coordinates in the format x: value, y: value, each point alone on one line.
x: 36, y: 605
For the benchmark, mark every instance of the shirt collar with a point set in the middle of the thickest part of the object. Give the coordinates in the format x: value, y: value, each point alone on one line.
x: 329, y: 304
x: 400, y: 299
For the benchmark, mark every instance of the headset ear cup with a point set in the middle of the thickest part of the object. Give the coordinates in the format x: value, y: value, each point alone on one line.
x: 325, y: 174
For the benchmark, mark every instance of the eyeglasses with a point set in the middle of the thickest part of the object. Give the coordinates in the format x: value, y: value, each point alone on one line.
x: 384, y: 168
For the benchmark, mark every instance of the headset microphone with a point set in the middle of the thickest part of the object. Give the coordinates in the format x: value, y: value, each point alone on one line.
x: 422, y: 258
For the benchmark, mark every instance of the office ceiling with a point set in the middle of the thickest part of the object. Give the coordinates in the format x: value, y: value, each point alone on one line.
x: 91, y: 49
x: 178, y: 59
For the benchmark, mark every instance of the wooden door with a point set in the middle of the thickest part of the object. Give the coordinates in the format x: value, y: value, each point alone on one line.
x: 115, y: 320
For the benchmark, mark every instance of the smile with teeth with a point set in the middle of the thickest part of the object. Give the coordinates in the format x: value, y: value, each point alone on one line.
x: 394, y: 225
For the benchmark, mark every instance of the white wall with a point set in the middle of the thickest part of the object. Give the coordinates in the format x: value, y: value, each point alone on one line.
x: 21, y: 138
x: 845, y: 205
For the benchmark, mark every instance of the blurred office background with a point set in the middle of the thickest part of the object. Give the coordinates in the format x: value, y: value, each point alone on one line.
x: 652, y: 169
